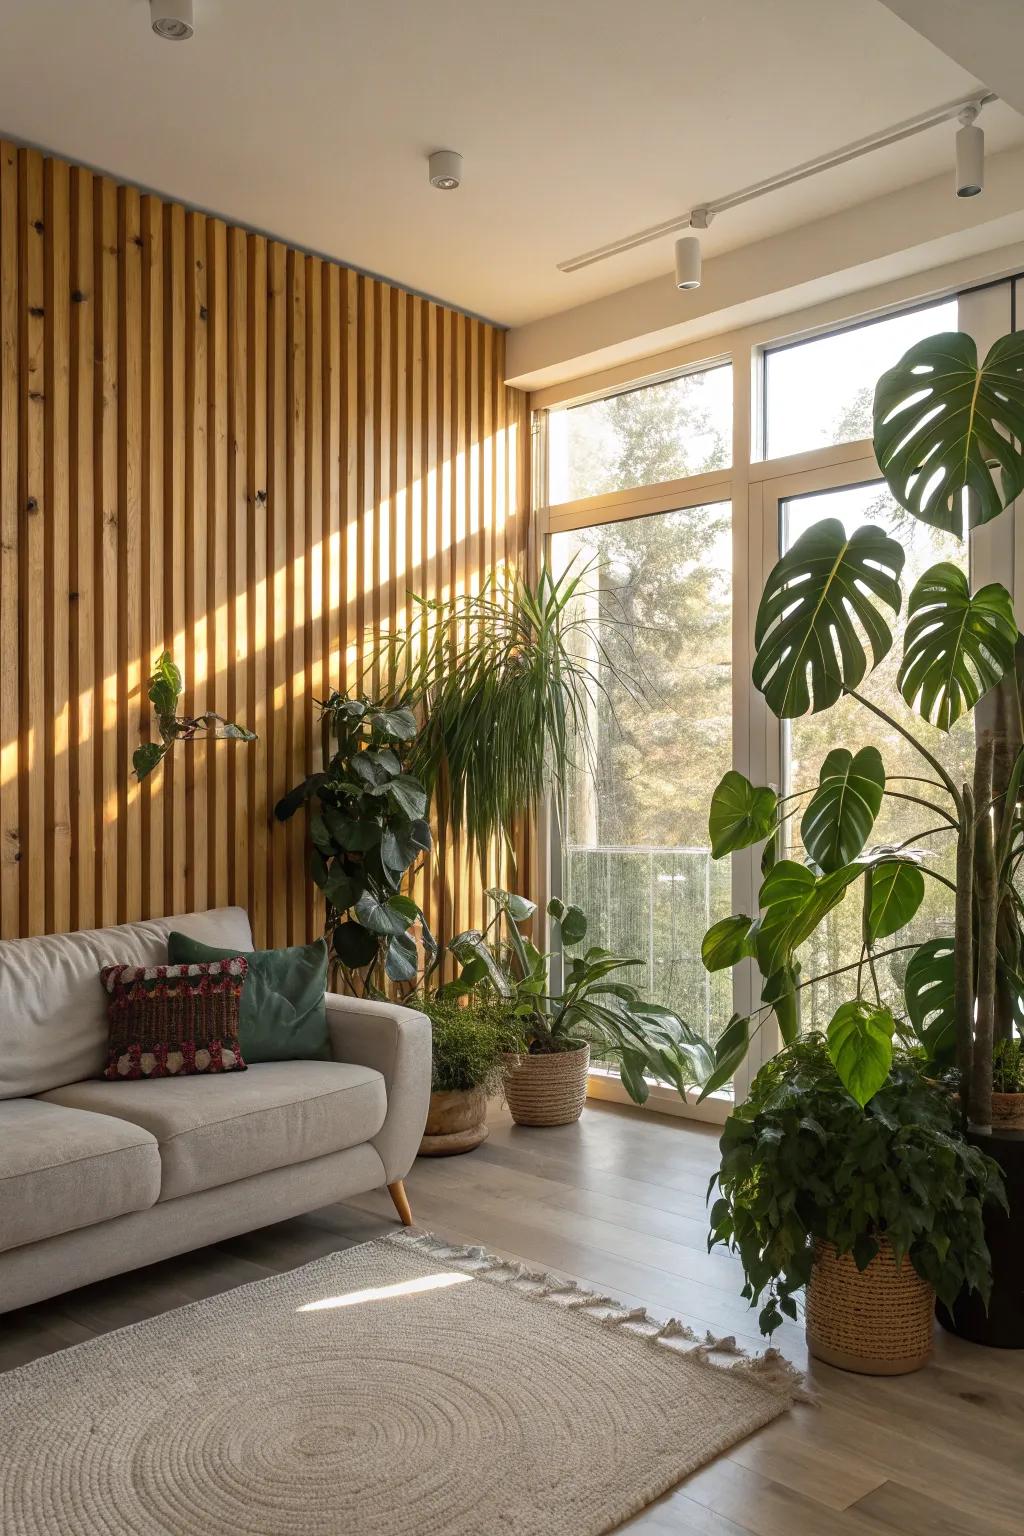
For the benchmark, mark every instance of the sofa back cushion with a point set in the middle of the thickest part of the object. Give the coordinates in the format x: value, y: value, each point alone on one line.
x: 53, y: 1013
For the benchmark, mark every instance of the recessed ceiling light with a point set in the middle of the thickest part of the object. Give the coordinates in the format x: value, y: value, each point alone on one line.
x: 172, y: 19
x: 445, y: 170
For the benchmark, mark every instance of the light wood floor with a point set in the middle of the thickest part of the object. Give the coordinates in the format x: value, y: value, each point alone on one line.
x: 618, y: 1202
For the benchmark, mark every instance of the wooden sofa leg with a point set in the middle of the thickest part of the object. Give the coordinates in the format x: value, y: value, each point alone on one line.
x: 401, y: 1199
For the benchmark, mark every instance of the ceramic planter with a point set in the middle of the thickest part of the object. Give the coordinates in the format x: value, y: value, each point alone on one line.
x: 455, y: 1122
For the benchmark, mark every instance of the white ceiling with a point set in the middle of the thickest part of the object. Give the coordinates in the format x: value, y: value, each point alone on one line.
x: 579, y: 120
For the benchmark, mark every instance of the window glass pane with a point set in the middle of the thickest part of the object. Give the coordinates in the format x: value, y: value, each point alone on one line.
x: 661, y: 432
x: 821, y: 392
x: 635, y: 847
x: 848, y: 724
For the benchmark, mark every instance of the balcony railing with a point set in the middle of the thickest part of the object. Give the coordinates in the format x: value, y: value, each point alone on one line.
x: 656, y: 904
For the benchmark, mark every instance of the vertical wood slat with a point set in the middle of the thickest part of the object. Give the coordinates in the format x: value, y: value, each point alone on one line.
x: 11, y: 862
x: 215, y: 445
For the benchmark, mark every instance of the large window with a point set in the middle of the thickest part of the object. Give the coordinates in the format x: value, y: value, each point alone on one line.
x: 684, y: 507
x: 664, y: 431
x: 847, y: 723
x: 635, y: 836
x: 819, y: 392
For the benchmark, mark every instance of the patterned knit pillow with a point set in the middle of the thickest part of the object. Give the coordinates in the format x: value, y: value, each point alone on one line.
x: 173, y: 1020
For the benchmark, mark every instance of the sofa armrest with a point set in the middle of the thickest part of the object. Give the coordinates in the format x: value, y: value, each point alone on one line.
x: 396, y: 1042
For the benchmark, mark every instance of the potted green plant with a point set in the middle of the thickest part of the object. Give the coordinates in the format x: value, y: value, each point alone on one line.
x: 1008, y: 1085
x: 472, y: 1042
x: 546, y: 1084
x: 874, y: 1207
x: 947, y: 434
x: 368, y: 833
x: 504, y: 681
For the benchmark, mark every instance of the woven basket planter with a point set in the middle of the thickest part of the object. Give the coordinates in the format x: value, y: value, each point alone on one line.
x: 548, y: 1089
x: 877, y: 1321
x: 1008, y: 1111
x: 455, y: 1122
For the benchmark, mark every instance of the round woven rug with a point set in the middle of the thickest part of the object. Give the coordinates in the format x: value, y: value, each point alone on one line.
x: 401, y: 1388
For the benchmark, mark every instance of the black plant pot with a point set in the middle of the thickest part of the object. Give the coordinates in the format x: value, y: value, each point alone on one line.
x: 1002, y: 1326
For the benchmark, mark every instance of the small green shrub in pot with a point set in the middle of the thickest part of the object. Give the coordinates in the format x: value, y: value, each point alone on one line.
x: 473, y: 1041
x: 807, y: 1170
x: 1008, y: 1085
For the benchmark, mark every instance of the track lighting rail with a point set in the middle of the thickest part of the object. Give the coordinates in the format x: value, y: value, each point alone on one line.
x: 700, y: 216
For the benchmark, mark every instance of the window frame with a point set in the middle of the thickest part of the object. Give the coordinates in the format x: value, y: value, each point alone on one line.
x: 757, y: 487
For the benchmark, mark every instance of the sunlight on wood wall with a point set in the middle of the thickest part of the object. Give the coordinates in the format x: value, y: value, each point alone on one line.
x: 213, y: 443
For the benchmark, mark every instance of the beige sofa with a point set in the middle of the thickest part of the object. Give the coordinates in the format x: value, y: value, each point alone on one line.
x: 99, y: 1177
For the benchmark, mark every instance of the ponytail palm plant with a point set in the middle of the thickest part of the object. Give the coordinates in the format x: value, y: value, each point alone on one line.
x: 947, y: 436
x: 505, y: 681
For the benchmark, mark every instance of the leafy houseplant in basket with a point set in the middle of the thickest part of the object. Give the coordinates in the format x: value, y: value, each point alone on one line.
x: 368, y: 832
x: 873, y: 1207
x: 947, y: 434
x: 594, y: 1007
x: 472, y: 1043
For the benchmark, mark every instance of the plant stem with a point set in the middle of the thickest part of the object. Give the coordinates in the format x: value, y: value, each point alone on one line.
x: 897, y: 794
x: 947, y: 782
x: 840, y: 970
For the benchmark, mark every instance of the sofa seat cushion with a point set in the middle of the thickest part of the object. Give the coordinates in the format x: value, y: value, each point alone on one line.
x: 213, y: 1130
x: 65, y: 1168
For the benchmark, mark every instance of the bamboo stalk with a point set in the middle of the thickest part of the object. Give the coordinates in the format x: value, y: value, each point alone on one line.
x: 963, y: 977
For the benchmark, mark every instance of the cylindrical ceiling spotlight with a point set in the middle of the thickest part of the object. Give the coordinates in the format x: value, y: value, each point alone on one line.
x: 688, y: 262
x: 172, y: 20
x: 970, y: 155
x: 445, y: 169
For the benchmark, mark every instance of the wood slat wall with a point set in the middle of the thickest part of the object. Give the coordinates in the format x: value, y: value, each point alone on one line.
x: 213, y: 443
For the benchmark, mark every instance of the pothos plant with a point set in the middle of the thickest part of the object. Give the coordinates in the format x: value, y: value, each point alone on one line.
x: 368, y: 833
x: 947, y: 437
x: 164, y: 691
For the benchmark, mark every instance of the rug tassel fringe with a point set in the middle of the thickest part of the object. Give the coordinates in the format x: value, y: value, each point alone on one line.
x: 771, y: 1369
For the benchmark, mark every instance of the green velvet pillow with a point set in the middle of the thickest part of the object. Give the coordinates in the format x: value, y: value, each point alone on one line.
x: 282, y: 1016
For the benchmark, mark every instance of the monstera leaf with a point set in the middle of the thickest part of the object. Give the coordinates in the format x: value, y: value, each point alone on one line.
x: 943, y: 425
x: 815, y: 603
x: 956, y: 646
x: 741, y: 814
x: 928, y: 989
x: 842, y: 810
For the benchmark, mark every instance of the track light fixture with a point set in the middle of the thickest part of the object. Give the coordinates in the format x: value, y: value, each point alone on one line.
x: 970, y: 178
x: 970, y: 154
x: 688, y: 262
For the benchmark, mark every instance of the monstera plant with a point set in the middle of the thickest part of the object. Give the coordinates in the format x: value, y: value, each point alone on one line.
x: 947, y: 435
